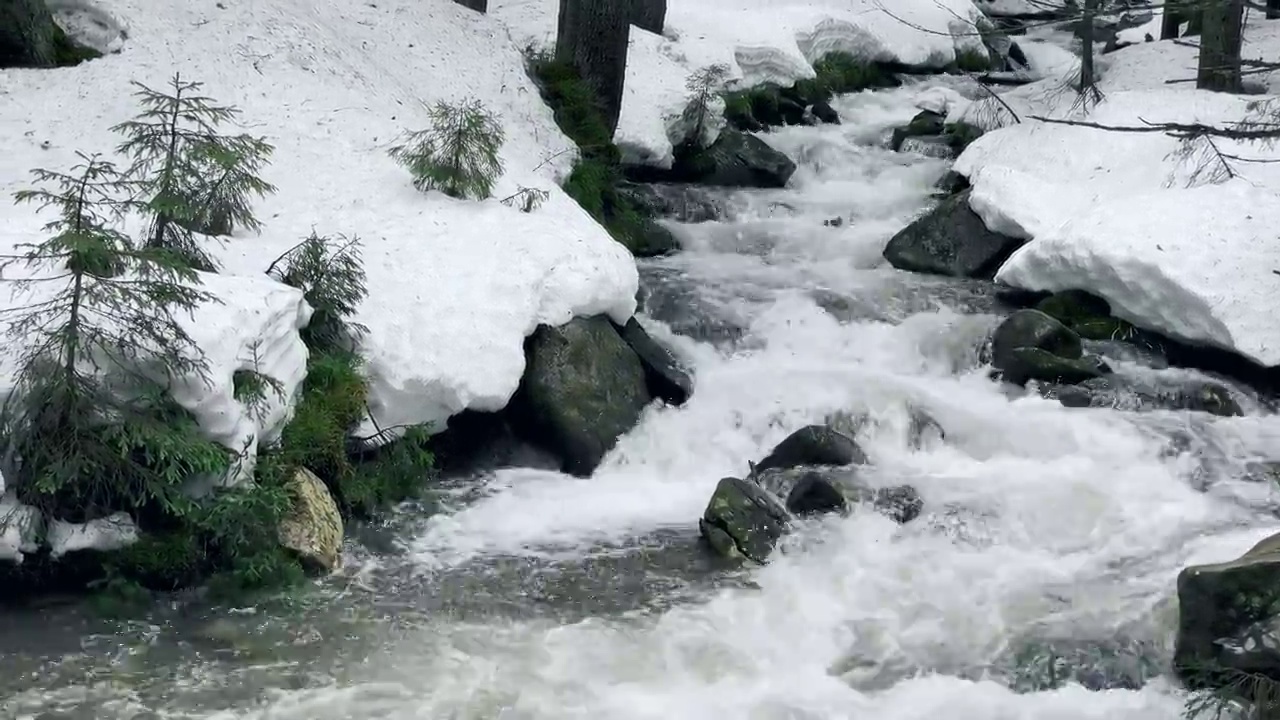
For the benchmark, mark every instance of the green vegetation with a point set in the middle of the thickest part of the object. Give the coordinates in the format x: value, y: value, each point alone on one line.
x: 971, y: 60
x: 770, y: 105
x: 459, y: 154
x: 193, y: 179
x: 595, y: 180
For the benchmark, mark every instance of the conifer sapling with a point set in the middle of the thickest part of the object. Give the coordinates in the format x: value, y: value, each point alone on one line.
x: 189, y: 174
x: 704, y: 87
x: 459, y: 154
x: 330, y: 273
x: 90, y: 428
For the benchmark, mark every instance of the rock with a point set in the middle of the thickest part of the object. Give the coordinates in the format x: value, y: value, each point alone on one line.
x: 814, y: 445
x: 583, y: 387
x: 1031, y: 363
x: 935, y: 146
x: 313, y: 527
x: 952, y: 182
x: 665, y: 377
x: 824, y: 112
x: 816, y: 490
x: 1236, y: 601
x: 901, y: 503
x: 682, y: 203
x: 749, y: 516
x: 1073, y: 306
x: 1032, y: 329
x: 926, y: 122
x: 653, y: 240
x: 922, y: 429
x: 950, y: 240
x: 814, y: 494
x: 1129, y: 393
x: 736, y: 159
x: 1212, y: 398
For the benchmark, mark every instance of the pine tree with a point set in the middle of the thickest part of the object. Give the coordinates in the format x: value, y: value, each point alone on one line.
x: 89, y: 428
x: 704, y: 87
x: 331, y: 276
x: 188, y: 173
x: 458, y: 154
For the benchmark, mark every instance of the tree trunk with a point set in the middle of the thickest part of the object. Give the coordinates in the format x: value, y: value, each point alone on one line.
x: 1273, y: 9
x: 1170, y: 20
x: 477, y: 5
x: 651, y: 15
x: 28, y: 35
x: 1086, y: 46
x: 592, y: 36
x: 1220, y: 40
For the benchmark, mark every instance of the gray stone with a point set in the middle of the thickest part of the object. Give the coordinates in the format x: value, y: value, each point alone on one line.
x: 814, y: 445
x: 950, y: 240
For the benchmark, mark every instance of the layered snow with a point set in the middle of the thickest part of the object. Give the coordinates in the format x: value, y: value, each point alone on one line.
x: 759, y: 41
x: 454, y: 286
x: 1177, y: 241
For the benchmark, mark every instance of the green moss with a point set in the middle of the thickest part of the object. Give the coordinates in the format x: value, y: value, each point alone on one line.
x: 396, y: 473
x: 67, y: 53
x: 841, y: 72
x: 960, y: 135
x: 737, y: 110
x: 971, y: 60
x: 575, y: 106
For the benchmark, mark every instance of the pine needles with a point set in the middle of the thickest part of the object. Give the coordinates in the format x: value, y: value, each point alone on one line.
x: 459, y: 154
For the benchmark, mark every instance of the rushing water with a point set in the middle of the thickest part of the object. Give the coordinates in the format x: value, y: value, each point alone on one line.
x: 1050, y: 536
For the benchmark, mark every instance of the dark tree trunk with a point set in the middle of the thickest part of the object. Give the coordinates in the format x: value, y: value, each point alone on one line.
x: 28, y: 35
x: 651, y: 15
x: 1273, y: 9
x: 1171, y: 20
x: 478, y: 5
x: 1220, y: 41
x: 1086, y: 46
x: 592, y: 36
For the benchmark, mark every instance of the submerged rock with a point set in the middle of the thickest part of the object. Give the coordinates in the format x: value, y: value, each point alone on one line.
x: 814, y: 445
x: 925, y: 123
x: 1124, y: 393
x: 1031, y: 345
x: 665, y: 376
x: 1229, y: 615
x: 950, y: 240
x: 313, y: 527
x: 583, y: 387
x: 682, y: 203
x: 1031, y: 363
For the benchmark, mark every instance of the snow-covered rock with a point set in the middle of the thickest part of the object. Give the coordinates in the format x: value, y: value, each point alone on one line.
x: 454, y: 286
x: 759, y: 41
x: 1196, y: 264
x: 1156, y: 226
x: 113, y: 532
x: 20, y: 529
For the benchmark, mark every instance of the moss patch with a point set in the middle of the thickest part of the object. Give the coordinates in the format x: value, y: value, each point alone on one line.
x: 595, y: 179
x: 770, y: 105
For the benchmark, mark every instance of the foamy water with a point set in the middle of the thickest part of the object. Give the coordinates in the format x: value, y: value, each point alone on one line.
x: 1040, y: 521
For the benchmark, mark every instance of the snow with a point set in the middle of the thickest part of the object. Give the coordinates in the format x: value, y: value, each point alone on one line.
x: 1140, y: 218
x: 1020, y: 8
x: 454, y: 286
x: 760, y: 41
x: 20, y: 527
x: 109, y: 533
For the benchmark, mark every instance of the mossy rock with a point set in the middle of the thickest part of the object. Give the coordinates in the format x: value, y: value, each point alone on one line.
x: 814, y: 445
x: 961, y: 135
x: 1031, y: 363
x: 735, y: 159
x: 30, y: 38
x: 747, y: 515
x: 583, y: 387
x: 313, y: 528
x: 1071, y: 307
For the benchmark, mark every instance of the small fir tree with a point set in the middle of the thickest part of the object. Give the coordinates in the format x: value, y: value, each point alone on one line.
x: 90, y: 428
x: 330, y: 273
x: 188, y: 173
x: 458, y: 154
x: 704, y: 87
x: 526, y: 198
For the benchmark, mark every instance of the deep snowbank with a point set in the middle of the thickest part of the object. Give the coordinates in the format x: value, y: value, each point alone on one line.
x: 760, y: 41
x: 1140, y: 217
x: 454, y: 286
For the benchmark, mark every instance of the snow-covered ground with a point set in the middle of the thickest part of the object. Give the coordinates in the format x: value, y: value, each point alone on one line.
x: 759, y: 41
x: 454, y: 286
x: 1156, y: 226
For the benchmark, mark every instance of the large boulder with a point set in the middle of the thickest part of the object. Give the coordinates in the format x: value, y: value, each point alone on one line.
x: 814, y: 445
x: 1228, y: 617
x: 950, y: 240
x: 735, y: 159
x: 666, y: 377
x: 682, y: 203
x: 313, y: 527
x: 743, y: 519
x: 924, y: 124
x: 583, y: 387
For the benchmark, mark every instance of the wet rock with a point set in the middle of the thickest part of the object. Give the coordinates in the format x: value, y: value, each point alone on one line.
x: 815, y: 490
x: 744, y: 514
x: 1127, y: 393
x: 923, y: 429
x: 814, y: 445
x: 1073, y: 306
x: 583, y: 387
x: 666, y: 378
x: 934, y: 146
x: 682, y: 203
x: 1119, y: 663
x: 1032, y: 329
x: 1228, y: 615
x: 925, y: 123
x: 823, y: 111
x: 1030, y: 363
x: 950, y: 240
x: 313, y: 527
x: 952, y: 182
x: 735, y: 159
x: 651, y: 240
